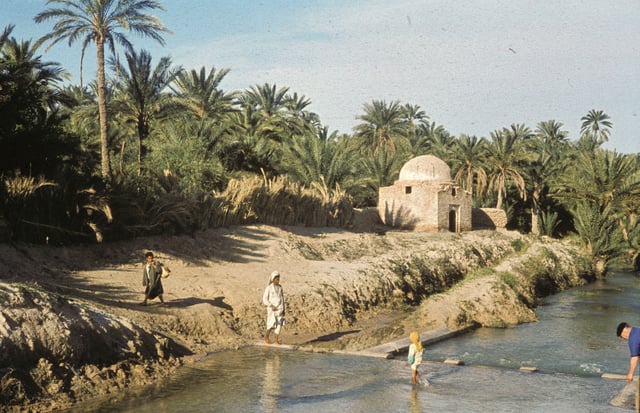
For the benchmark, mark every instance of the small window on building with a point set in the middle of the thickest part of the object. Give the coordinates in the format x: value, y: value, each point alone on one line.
x: 453, y: 192
x: 407, y: 189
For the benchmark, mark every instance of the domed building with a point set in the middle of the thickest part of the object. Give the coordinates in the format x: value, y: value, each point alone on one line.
x: 425, y: 198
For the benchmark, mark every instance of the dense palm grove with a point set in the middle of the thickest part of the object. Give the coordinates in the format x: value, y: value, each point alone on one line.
x: 151, y: 148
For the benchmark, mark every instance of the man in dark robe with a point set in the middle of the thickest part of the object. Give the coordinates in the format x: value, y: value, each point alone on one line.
x: 152, y: 279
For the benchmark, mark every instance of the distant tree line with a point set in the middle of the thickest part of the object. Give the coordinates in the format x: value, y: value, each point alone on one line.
x: 152, y: 148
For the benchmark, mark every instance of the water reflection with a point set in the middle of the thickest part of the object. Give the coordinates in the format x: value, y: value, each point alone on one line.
x: 414, y: 405
x: 271, y: 383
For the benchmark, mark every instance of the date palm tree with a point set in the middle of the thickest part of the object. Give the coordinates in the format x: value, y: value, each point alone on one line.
x: 414, y: 116
x: 430, y: 138
x: 30, y: 137
x: 267, y: 120
x: 506, y: 156
x: 380, y: 169
x: 547, y: 146
x: 468, y: 154
x: 200, y: 93
x: 603, y: 178
x: 140, y: 96
x: 31, y: 81
x: 101, y: 22
x: 269, y: 99
x: 322, y: 158
x: 5, y: 34
x: 602, y: 188
x: 383, y: 125
x: 597, y: 124
x: 271, y: 114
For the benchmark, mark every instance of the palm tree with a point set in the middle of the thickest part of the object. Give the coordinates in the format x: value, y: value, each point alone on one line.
x: 200, y: 93
x: 383, y: 124
x: 322, y: 158
x: 31, y: 139
x: 601, y: 187
x: 246, y: 148
x: 5, y: 34
x: 547, y: 147
x: 429, y: 138
x: 101, y: 22
x: 297, y: 106
x: 380, y: 169
x: 469, y: 154
x: 180, y: 157
x: 140, y: 98
x: 268, y: 119
x: 603, y: 178
x: 597, y: 124
x: 269, y: 100
x: 30, y: 80
x: 414, y: 116
x: 271, y: 115
x: 599, y: 234
x: 505, y: 159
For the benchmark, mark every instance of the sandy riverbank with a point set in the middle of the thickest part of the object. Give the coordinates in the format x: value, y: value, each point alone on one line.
x: 74, y: 329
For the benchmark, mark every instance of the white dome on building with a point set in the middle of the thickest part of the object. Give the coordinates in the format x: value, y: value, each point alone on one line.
x: 425, y: 168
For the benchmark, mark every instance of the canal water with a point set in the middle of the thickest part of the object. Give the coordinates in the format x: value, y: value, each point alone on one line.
x: 571, y: 345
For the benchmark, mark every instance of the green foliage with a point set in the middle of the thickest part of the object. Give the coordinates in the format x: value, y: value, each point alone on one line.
x: 549, y: 222
x: 200, y: 94
x: 331, y: 159
x: 78, y: 20
x: 544, y: 272
x: 599, y: 231
x: 189, y: 155
x: 518, y: 245
x: 378, y: 169
x: 469, y: 154
x: 505, y: 156
x: 510, y: 280
x: 384, y: 124
x: 139, y: 99
x: 179, y: 158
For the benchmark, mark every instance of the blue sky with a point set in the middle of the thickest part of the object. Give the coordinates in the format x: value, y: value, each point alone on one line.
x: 472, y: 66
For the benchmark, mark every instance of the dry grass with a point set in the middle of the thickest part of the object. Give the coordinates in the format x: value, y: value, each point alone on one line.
x: 279, y: 201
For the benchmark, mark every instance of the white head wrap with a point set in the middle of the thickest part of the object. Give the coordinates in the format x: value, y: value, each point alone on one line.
x: 274, y: 275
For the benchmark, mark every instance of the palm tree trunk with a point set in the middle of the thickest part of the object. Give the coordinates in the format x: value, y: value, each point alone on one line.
x: 102, y: 109
x: 535, y: 210
x: 499, y: 201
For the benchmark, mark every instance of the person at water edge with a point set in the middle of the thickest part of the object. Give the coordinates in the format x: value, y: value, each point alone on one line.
x: 273, y: 299
x: 632, y: 335
x: 152, y: 279
x: 414, y: 358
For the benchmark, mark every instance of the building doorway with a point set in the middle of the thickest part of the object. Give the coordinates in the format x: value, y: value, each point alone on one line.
x: 453, y: 219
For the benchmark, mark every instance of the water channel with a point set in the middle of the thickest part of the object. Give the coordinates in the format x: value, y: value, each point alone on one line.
x: 572, y: 345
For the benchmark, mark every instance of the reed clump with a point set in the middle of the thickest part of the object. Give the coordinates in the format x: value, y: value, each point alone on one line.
x: 279, y: 201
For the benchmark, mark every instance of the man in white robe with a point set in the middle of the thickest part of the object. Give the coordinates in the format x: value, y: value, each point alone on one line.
x: 273, y: 299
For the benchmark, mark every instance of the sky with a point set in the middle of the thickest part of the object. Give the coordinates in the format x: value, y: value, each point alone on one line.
x: 472, y: 66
